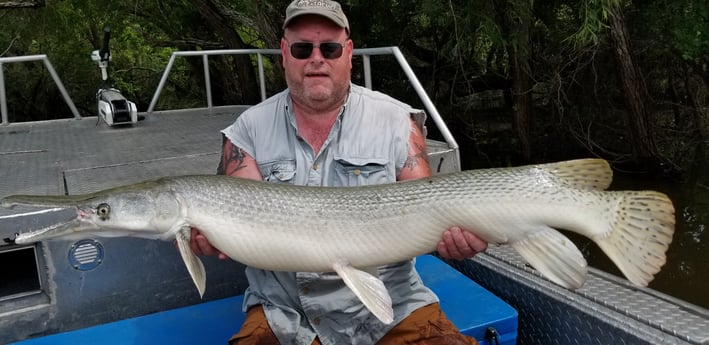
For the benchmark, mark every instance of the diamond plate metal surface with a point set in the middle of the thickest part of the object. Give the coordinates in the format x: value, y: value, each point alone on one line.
x: 606, y: 310
x: 37, y: 157
x: 87, y: 180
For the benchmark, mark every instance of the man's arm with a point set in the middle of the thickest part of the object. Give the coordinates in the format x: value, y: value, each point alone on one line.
x: 416, y: 164
x: 234, y: 162
x: 456, y: 243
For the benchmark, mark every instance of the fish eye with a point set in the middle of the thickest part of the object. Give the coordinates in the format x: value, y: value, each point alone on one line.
x: 103, y: 211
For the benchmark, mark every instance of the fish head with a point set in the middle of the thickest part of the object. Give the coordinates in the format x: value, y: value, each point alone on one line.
x: 129, y: 214
x: 135, y: 212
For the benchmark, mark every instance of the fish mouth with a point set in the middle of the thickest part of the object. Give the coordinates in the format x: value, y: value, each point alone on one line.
x: 64, y: 229
x: 77, y: 225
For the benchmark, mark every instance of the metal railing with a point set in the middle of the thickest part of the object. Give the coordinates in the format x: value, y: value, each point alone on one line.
x: 52, y: 72
x: 366, y: 54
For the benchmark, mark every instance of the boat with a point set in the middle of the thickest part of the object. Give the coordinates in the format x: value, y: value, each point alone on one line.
x: 136, y: 291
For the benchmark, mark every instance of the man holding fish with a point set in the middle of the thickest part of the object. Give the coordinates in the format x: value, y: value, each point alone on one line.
x: 325, y: 131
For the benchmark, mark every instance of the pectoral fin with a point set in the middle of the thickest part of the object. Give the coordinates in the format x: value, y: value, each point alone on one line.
x: 369, y: 289
x: 555, y: 256
x: 193, y: 263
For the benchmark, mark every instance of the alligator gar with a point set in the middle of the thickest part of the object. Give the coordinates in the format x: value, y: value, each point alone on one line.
x: 284, y: 227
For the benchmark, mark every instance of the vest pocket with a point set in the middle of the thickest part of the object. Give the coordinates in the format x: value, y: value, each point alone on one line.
x: 361, y: 171
x: 278, y: 171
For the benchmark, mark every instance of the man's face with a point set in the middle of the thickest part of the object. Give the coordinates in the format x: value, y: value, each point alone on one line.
x: 316, y: 81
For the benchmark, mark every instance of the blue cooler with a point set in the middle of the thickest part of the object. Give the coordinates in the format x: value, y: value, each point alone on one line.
x: 474, y: 310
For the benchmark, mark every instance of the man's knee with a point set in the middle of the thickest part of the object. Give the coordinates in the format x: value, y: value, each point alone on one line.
x: 427, y: 325
x: 255, y: 330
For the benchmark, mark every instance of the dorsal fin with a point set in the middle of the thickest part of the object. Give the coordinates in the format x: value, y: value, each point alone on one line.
x: 589, y: 174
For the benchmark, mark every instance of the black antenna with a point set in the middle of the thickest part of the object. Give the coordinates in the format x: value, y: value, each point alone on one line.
x: 105, y: 52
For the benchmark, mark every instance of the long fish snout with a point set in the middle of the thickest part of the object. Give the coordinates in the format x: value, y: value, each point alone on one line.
x: 60, y: 201
x: 65, y: 229
x: 88, y: 212
x: 136, y: 210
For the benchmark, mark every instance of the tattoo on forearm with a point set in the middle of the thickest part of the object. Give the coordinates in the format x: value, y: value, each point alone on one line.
x: 232, y: 160
x: 412, y: 161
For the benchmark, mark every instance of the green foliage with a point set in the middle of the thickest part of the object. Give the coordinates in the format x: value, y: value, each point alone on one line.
x: 460, y: 50
x: 681, y: 27
x: 594, y: 17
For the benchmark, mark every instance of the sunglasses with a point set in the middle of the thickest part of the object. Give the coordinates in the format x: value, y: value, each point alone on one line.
x: 303, y: 50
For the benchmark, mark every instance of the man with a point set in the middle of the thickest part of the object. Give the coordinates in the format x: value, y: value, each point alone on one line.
x: 323, y: 130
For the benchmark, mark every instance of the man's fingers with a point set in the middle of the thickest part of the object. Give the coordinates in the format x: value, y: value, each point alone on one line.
x: 475, y: 242
x: 193, y: 242
x: 450, y: 248
x: 443, y: 249
x: 458, y: 244
x: 200, y: 245
x: 205, y: 247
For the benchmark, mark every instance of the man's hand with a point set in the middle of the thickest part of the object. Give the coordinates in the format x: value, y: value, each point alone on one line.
x: 458, y: 244
x: 201, y: 246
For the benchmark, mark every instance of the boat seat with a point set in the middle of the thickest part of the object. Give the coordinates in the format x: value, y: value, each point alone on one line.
x: 474, y: 310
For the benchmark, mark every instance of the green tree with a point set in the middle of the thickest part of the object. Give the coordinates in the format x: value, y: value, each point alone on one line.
x: 519, y: 80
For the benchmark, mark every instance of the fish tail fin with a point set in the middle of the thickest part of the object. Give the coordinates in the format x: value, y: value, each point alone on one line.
x: 640, y: 234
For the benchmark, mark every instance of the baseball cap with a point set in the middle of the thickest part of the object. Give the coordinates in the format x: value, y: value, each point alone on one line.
x: 326, y: 8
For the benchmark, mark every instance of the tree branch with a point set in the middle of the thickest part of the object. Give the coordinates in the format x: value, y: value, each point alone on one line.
x: 9, y: 4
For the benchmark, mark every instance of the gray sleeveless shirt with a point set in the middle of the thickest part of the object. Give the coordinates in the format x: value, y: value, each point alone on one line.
x: 367, y: 145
